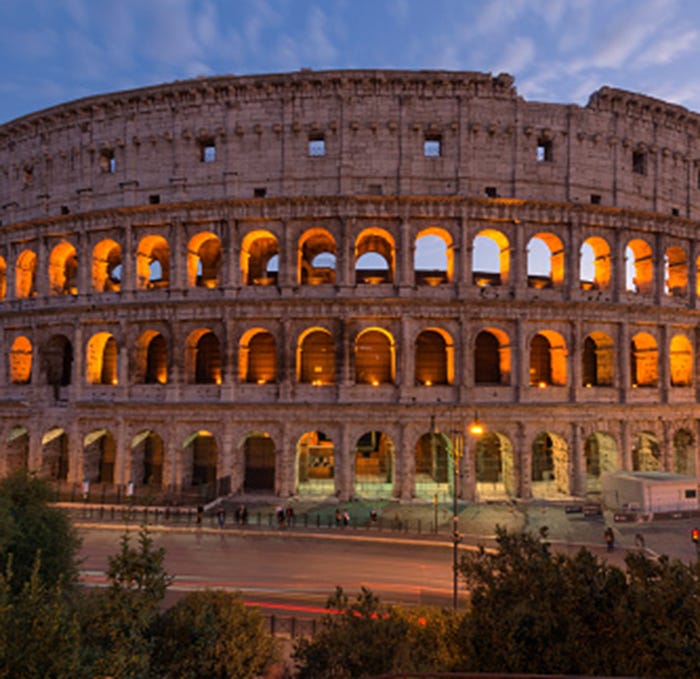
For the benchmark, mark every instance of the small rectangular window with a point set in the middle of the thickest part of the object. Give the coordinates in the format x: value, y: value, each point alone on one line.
x: 675, y: 212
x: 65, y: 210
x: 154, y: 199
x: 375, y: 190
x: 108, y: 162
x: 544, y: 151
x: 259, y: 192
x: 490, y: 192
x: 639, y: 162
x: 432, y: 146
x: 208, y: 151
x: 595, y: 199
x: 317, y: 146
x: 691, y: 493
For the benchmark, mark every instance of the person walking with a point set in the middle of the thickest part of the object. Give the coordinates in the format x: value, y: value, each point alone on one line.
x: 609, y: 539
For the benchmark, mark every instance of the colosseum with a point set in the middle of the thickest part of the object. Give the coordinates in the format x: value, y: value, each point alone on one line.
x: 311, y: 284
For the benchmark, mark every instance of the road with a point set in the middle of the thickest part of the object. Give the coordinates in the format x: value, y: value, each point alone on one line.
x: 293, y: 573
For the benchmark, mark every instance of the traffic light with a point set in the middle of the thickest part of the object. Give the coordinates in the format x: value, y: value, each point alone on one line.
x: 695, y: 535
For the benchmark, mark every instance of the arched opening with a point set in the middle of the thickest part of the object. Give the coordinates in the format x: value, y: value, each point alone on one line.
x: 433, y: 465
x: 99, y: 456
x: 201, y: 450
x: 107, y: 266
x: 17, y: 450
x: 681, y: 361
x: 492, y: 357
x: 374, y: 358
x: 259, y: 456
x: 550, y: 462
x: 644, y: 360
x: 434, y: 358
x: 374, y: 465
x: 147, y: 459
x: 63, y: 270
x: 600, y: 451
x: 316, y: 358
x: 25, y: 275
x: 315, y: 464
x: 646, y: 453
x: 547, y: 359
x: 257, y: 357
x: 54, y: 455
x: 153, y: 263
x: 21, y: 361
x: 433, y: 257
x: 259, y: 258
x: 57, y: 360
x: 545, y: 261
x: 203, y: 261
x: 684, y: 452
x: 595, y: 271
x: 151, y: 358
x: 203, y: 357
x: 639, y: 267
x: 316, y: 256
x: 490, y: 259
x: 3, y: 278
x: 675, y: 272
x: 598, y: 361
x: 101, y: 359
x: 495, y: 467
x: 375, y: 257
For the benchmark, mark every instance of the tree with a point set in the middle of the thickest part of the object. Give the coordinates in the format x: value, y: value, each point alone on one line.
x: 213, y: 635
x: 30, y: 528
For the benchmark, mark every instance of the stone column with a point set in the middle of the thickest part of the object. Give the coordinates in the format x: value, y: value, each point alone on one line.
x: 344, y: 463
x: 405, y: 275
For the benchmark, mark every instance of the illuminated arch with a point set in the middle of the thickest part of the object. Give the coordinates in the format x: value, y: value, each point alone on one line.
x: 203, y: 260
x: 203, y: 357
x: 684, y: 452
x: 433, y: 259
x: 433, y: 464
x: 492, y: 357
x: 21, y: 358
x: 259, y: 250
x: 681, y: 361
x: 3, y: 278
x: 639, y: 267
x: 595, y: 268
x: 101, y: 359
x: 495, y: 466
x: 598, y: 360
x: 374, y: 465
x: 545, y: 263
x: 547, y: 359
x: 151, y: 359
x: 107, y: 266
x: 315, y: 464
x: 25, y: 274
x: 644, y: 360
x: 434, y: 357
x: 63, y: 270
x: 375, y: 256
x: 675, y: 272
x: 257, y: 357
x: 600, y: 451
x: 316, y: 257
x: 374, y: 357
x: 646, y: 453
x: 550, y: 466
x: 153, y: 263
x: 147, y: 453
x: 316, y: 357
x: 490, y: 258
x: 54, y: 455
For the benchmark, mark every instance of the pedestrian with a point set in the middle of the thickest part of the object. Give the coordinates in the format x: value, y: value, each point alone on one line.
x: 609, y: 539
x: 221, y: 516
x: 373, y: 516
x: 290, y: 516
x: 639, y: 541
x: 280, y: 516
x: 338, y: 516
x: 200, y: 514
x: 346, y: 518
x: 244, y: 514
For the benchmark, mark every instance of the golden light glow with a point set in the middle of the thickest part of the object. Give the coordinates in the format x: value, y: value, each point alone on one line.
x: 428, y: 383
x: 476, y: 428
x: 375, y: 383
x: 542, y: 385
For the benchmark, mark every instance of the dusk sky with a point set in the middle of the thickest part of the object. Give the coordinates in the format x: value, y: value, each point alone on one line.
x: 52, y: 51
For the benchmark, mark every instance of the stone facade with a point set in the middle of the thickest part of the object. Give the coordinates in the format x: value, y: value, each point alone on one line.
x: 220, y: 283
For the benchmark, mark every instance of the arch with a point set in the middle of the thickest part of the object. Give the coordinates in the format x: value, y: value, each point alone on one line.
x: 644, y: 360
x: 99, y: 456
x: 433, y: 257
x: 147, y: 454
x: 675, y: 272
x: 202, y: 452
x: 495, y: 466
x: 315, y: 455
x: 600, y: 452
x: 681, y: 361
x: 490, y: 258
x: 374, y: 465
x: 434, y: 357
x: 257, y: 358
x: 375, y: 256
x: 259, y: 254
x: 316, y: 257
x: 101, y: 359
x: 639, y: 267
x: 25, y: 274
x: 595, y: 270
x: 598, y: 360
x: 646, y: 453
x: 54, y: 455
x: 3, y: 278
x: 153, y: 263
x: 107, y: 266
x: 203, y: 260
x: 374, y: 357
x: 259, y: 457
x: 203, y: 357
x: 545, y: 261
x: 57, y: 361
x: 21, y: 358
x: 547, y: 359
x: 63, y: 270
x: 684, y: 452
x: 492, y: 357
x: 550, y: 461
x: 433, y: 463
x: 17, y: 450
x: 316, y: 357
x: 151, y: 363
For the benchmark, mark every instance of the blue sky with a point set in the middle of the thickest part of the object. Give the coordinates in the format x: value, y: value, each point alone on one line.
x: 53, y: 51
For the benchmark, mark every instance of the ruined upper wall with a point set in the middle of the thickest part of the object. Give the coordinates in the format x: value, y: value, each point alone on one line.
x: 348, y: 133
